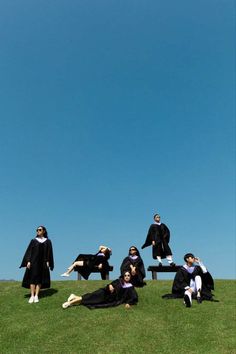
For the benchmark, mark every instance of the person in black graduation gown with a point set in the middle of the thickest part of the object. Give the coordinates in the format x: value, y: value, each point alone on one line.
x: 134, y: 264
x: 38, y: 259
x: 159, y: 237
x: 118, y: 292
x: 85, y: 263
x: 192, y: 281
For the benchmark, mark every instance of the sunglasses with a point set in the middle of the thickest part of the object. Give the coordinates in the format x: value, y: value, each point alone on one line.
x: 39, y: 230
x: 133, y: 249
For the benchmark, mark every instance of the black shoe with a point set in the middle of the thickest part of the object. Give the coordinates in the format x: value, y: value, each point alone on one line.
x: 160, y: 264
x: 172, y: 264
x: 187, y: 301
x: 199, y: 299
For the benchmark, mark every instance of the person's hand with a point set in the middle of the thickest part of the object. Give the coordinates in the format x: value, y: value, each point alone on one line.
x: 28, y: 265
x: 111, y: 289
x: 100, y: 266
x: 153, y: 243
x: 47, y: 264
x: 127, y: 306
x: 197, y: 259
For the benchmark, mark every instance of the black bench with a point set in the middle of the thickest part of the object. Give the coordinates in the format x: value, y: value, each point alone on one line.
x: 104, y: 276
x: 162, y: 269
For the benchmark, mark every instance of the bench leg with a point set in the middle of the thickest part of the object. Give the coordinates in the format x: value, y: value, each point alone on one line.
x: 107, y: 276
x: 154, y: 275
x: 78, y: 276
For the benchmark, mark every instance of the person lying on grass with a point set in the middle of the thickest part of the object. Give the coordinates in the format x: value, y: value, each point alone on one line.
x: 85, y: 263
x: 192, y: 281
x: 118, y: 292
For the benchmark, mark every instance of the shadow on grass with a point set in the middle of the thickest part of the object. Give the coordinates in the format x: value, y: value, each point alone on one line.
x: 44, y: 293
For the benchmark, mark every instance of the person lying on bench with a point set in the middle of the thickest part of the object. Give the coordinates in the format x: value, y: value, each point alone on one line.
x: 120, y: 291
x: 192, y: 281
x: 85, y: 263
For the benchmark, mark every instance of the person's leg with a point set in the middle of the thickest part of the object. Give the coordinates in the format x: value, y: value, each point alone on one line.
x: 168, y: 252
x: 198, y: 283
x: 188, y: 297
x: 170, y: 260
x: 74, y: 300
x: 32, y: 292
x: 159, y: 252
x: 71, y: 268
x: 37, y: 289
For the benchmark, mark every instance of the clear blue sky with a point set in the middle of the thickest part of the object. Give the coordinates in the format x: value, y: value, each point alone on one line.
x: 111, y: 111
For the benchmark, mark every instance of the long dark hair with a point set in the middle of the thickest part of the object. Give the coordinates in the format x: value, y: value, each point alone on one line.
x: 137, y: 251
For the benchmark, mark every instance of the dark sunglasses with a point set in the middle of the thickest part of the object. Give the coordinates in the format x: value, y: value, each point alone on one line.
x: 39, y: 230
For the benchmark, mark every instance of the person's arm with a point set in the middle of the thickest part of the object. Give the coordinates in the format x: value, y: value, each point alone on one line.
x: 201, y: 265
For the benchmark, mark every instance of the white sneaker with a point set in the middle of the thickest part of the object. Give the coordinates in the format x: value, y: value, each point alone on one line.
x: 65, y: 305
x: 65, y: 275
x: 71, y: 297
x: 31, y: 299
x: 36, y: 299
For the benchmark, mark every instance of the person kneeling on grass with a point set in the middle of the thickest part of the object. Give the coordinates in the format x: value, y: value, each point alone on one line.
x: 120, y: 291
x: 192, y: 281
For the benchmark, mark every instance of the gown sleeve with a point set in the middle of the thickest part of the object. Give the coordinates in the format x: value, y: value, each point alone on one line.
x: 149, y: 238
x: 27, y: 255
x: 50, y: 255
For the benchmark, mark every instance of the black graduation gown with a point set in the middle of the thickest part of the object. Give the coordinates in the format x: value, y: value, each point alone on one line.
x: 38, y: 254
x: 90, y: 262
x: 161, y: 235
x: 103, y: 298
x: 136, y: 280
x: 183, y: 278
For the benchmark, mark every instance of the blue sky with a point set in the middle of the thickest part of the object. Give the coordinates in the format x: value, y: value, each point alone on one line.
x: 112, y: 111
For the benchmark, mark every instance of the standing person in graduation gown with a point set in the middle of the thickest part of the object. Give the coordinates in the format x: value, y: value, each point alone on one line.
x: 159, y: 237
x: 192, y: 281
x: 85, y: 263
x: 38, y: 259
x: 120, y: 291
x: 134, y: 264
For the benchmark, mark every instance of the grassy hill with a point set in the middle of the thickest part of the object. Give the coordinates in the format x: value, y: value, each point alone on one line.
x: 153, y: 326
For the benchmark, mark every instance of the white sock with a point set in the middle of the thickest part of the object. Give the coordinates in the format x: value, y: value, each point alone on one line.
x: 159, y: 259
x: 169, y: 259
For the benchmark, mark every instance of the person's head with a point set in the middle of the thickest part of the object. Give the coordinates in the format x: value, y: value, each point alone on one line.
x: 133, y: 251
x: 42, y: 231
x: 106, y: 251
x: 189, y: 258
x: 126, y: 276
x: 157, y: 217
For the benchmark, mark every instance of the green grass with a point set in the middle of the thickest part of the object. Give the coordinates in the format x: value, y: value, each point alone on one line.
x: 153, y: 326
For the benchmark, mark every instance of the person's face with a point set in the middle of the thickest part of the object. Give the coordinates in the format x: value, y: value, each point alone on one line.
x: 127, y: 277
x: 190, y: 260
x: 157, y: 218
x: 132, y: 251
x: 40, y: 231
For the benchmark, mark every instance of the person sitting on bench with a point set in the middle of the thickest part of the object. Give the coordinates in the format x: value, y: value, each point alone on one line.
x: 120, y: 291
x: 192, y: 281
x: 85, y: 263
